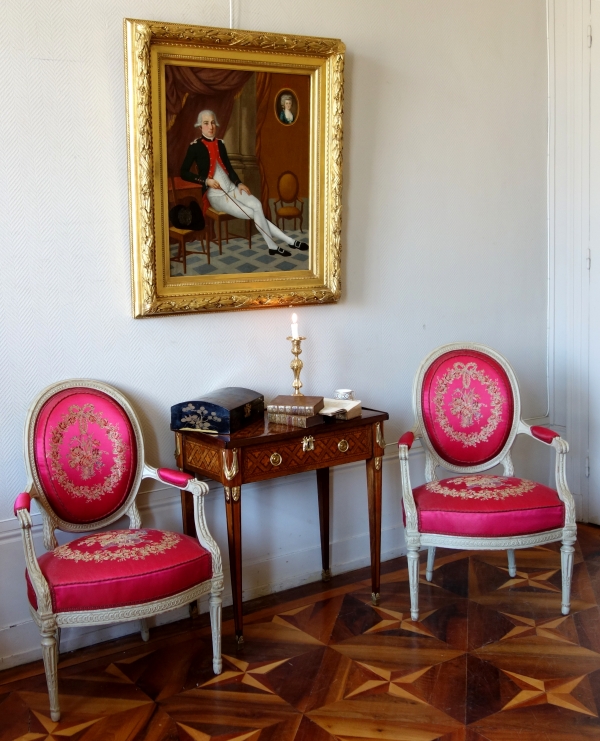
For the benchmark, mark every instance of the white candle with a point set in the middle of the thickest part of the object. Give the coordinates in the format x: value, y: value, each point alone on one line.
x: 295, y: 334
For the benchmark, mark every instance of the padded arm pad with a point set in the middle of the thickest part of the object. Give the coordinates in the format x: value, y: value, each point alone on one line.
x: 23, y: 501
x: 407, y: 439
x: 544, y: 434
x: 176, y: 478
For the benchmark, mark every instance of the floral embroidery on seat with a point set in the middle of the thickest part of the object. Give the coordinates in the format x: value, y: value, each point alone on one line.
x: 118, y: 545
x: 85, y: 453
x: 481, y: 487
x: 466, y: 404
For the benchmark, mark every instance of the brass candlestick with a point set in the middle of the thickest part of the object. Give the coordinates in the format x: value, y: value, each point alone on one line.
x: 296, y: 365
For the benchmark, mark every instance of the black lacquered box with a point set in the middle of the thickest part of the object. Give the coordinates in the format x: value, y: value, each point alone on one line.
x: 221, y: 412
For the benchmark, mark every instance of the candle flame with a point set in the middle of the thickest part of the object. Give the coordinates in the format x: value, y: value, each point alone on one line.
x: 295, y: 318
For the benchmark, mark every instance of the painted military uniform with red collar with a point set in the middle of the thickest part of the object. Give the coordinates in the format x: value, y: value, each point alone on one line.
x: 206, y: 154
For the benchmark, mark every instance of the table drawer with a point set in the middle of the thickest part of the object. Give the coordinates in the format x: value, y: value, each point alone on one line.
x: 320, y: 451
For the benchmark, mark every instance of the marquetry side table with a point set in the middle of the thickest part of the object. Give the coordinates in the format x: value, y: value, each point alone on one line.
x: 264, y: 451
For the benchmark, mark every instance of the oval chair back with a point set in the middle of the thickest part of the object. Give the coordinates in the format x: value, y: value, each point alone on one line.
x: 466, y: 402
x: 287, y: 187
x: 84, y: 453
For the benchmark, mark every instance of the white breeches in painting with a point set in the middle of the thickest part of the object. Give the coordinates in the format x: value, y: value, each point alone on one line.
x: 239, y: 204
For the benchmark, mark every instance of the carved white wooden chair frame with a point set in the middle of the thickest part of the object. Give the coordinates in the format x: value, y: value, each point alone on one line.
x: 50, y: 622
x: 415, y: 539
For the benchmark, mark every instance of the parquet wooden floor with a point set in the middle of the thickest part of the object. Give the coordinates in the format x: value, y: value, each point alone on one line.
x: 491, y: 658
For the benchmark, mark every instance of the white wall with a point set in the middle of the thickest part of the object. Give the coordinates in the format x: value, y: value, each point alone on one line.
x: 444, y: 240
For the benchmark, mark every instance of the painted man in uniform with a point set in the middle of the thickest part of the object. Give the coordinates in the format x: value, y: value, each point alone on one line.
x: 222, y: 187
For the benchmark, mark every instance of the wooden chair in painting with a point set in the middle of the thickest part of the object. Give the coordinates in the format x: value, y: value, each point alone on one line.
x: 181, y: 237
x: 220, y: 217
x: 467, y: 408
x: 186, y: 225
x: 288, y: 205
x: 84, y: 455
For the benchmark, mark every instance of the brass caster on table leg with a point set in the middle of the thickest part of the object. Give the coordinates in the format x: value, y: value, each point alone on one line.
x: 375, y: 598
x: 326, y: 575
x: 240, y: 640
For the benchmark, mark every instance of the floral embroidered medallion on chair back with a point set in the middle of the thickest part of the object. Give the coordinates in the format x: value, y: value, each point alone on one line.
x: 85, y: 454
x: 468, y: 408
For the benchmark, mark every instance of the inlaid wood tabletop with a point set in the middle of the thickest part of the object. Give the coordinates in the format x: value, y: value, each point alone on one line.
x: 491, y: 659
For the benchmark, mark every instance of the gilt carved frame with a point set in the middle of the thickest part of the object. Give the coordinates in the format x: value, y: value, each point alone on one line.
x: 155, y: 290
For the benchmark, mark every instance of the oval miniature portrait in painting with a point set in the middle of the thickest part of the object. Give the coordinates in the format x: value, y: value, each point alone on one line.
x: 286, y: 107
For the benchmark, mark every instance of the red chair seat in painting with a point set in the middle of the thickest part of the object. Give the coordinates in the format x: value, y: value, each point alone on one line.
x: 122, y: 567
x: 487, y: 506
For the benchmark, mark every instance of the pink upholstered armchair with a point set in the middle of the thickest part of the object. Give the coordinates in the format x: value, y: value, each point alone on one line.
x: 467, y: 408
x: 84, y: 455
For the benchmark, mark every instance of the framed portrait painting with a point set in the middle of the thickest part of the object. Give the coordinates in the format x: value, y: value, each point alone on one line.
x: 235, y: 168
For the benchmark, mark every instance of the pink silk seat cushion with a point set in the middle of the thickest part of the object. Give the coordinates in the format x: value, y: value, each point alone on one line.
x: 85, y: 454
x: 487, y: 506
x: 121, y: 567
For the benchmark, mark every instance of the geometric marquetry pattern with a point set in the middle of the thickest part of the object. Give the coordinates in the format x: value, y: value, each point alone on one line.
x: 488, y: 661
x: 257, y: 460
x: 199, y: 456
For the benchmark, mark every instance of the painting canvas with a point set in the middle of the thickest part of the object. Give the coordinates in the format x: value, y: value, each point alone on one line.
x: 258, y: 172
x: 235, y: 155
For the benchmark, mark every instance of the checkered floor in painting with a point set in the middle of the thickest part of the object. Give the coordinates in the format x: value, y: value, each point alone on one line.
x: 238, y: 258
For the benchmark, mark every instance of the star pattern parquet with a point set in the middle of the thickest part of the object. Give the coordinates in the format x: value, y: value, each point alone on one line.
x: 491, y: 659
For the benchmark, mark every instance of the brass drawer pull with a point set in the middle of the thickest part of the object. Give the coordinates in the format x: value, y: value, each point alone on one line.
x: 308, y: 443
x: 276, y: 459
x: 343, y: 446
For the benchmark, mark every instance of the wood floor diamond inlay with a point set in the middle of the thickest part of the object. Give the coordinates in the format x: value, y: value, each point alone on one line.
x: 490, y: 659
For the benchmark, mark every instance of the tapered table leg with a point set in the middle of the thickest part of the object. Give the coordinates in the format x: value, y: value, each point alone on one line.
x: 374, y: 496
x: 323, y: 492
x: 233, y: 508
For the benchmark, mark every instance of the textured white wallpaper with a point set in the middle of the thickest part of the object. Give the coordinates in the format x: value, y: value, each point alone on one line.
x: 444, y: 219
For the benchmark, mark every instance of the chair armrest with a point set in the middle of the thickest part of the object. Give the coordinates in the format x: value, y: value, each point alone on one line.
x: 167, y: 476
x: 545, y: 434
x: 187, y: 482
x: 22, y: 508
x: 199, y: 489
x: 176, y: 478
x: 407, y: 439
x: 410, y: 509
x: 552, y: 438
x: 23, y: 501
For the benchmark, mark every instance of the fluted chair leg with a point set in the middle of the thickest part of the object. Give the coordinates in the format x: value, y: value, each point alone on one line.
x: 566, y: 562
x: 430, y: 562
x: 413, y: 580
x: 50, y: 656
x: 144, y: 629
x: 512, y: 564
x: 215, y: 627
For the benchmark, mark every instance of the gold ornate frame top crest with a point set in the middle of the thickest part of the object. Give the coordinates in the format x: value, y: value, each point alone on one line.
x: 149, y: 45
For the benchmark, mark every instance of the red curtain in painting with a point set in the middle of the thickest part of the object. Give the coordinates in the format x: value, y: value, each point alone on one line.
x: 189, y: 90
x: 263, y: 95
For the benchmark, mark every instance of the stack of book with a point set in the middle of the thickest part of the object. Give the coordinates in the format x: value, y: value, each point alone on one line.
x: 306, y: 411
x: 297, y: 411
